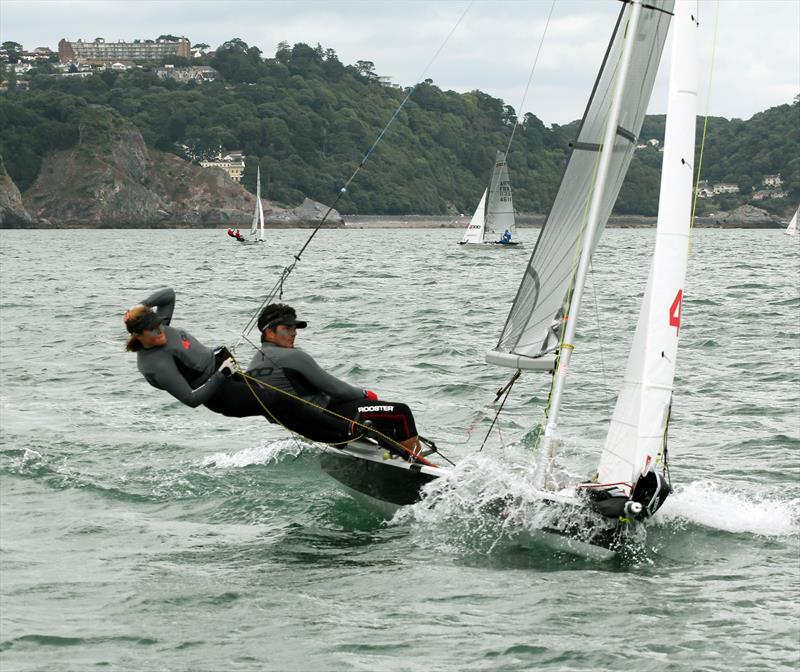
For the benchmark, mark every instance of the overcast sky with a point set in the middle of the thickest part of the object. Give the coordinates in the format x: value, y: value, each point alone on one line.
x: 493, y: 48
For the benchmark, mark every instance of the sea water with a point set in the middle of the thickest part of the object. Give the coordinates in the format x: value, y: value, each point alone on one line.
x: 140, y: 534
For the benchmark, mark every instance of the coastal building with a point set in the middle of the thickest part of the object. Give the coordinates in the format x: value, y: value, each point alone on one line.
x: 37, y: 55
x: 232, y: 163
x: 764, y: 194
x: 191, y: 73
x: 100, y: 52
x: 652, y: 142
x: 773, y: 181
x: 726, y: 188
x: 704, y: 189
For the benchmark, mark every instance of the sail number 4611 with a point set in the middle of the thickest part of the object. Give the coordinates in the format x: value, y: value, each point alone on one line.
x: 675, y: 311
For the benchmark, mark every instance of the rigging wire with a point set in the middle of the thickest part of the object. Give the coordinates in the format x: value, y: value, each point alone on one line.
x: 705, y: 118
x: 503, y: 390
x: 527, y: 88
x: 277, y: 289
x: 507, y: 389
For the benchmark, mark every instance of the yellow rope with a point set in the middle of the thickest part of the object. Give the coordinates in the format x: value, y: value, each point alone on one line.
x: 353, y: 422
x: 705, y: 121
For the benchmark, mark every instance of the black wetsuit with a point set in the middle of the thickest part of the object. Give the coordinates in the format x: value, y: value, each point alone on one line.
x: 187, y: 369
x: 295, y: 371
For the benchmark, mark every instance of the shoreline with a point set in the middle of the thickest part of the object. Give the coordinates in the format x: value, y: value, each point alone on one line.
x: 353, y: 222
x: 531, y: 222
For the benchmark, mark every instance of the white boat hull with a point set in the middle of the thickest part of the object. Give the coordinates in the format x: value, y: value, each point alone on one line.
x: 490, y: 243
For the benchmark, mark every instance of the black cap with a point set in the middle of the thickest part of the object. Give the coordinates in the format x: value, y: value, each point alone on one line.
x: 142, y: 322
x: 279, y: 313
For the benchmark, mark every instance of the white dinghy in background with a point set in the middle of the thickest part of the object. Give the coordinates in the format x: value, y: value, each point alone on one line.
x: 256, y: 234
x: 493, y: 222
x: 792, y: 228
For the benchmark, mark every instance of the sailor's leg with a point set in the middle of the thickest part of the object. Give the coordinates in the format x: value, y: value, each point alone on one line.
x: 392, y: 423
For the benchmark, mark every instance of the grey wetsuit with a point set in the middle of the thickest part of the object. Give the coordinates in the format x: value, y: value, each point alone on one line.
x: 294, y: 370
x: 184, y: 367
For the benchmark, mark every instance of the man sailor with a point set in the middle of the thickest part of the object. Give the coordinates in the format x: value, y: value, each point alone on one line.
x: 281, y: 365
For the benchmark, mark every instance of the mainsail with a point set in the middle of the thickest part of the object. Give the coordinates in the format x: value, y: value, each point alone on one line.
x: 474, y: 232
x: 637, y: 436
x: 500, y: 204
x: 534, y: 322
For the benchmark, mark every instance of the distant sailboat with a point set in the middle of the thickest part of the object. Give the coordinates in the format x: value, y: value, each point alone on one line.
x: 256, y: 234
x: 493, y: 221
x: 792, y: 228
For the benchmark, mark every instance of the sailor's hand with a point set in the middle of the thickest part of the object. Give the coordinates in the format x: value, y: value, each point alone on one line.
x: 369, y: 394
x: 227, y: 367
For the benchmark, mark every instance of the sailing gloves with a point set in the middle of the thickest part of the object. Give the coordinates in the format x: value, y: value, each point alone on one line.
x: 227, y: 367
x: 369, y: 394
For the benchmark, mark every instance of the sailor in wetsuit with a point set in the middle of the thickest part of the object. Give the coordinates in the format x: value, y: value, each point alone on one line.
x: 293, y: 370
x: 173, y: 360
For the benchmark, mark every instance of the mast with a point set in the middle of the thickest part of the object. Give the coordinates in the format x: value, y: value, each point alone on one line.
x: 547, y: 447
x: 259, y: 206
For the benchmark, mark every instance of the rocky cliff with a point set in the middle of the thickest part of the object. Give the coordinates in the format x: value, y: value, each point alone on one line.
x: 12, y: 211
x: 125, y: 184
x: 746, y: 217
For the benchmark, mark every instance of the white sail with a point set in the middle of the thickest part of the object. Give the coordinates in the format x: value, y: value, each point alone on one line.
x: 260, y: 217
x: 534, y: 323
x: 500, y: 203
x: 475, y: 228
x: 257, y: 227
x: 792, y: 228
x: 637, y: 434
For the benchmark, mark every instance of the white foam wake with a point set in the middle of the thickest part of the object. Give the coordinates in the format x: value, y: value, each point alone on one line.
x: 706, y: 503
x: 480, y: 480
x: 266, y: 453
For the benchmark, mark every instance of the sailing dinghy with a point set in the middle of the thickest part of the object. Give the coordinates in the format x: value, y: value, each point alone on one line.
x: 493, y: 221
x: 256, y: 234
x: 792, y: 228
x: 632, y: 480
